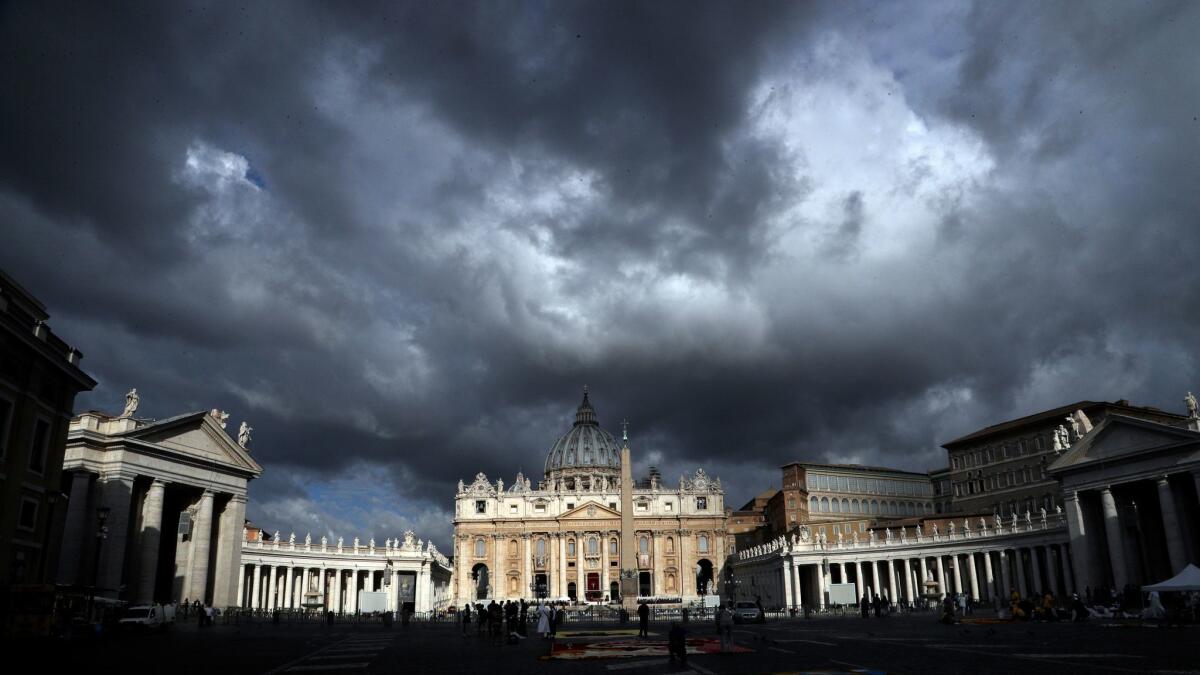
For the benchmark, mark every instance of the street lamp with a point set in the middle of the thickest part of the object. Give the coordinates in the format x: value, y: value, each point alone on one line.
x: 101, y: 535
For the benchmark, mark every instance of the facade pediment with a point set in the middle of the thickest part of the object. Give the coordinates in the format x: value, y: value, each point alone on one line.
x: 589, y: 511
x: 197, y: 437
x: 1119, y: 437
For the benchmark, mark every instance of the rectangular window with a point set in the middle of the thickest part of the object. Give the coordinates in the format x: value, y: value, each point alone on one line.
x: 28, y: 517
x: 539, y: 508
x: 41, y: 445
x: 613, y: 506
x: 701, y: 503
x: 480, y: 506
x: 512, y: 508
x: 669, y: 507
x: 6, y: 409
x: 641, y: 506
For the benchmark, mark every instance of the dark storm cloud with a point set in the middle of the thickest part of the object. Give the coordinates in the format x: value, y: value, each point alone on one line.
x: 398, y: 239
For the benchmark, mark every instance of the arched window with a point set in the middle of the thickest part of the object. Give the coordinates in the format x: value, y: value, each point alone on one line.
x: 875, y: 506
x: 825, y: 504
x: 855, y: 506
x: 835, y: 507
x: 480, y: 548
x: 571, y: 547
x: 670, y: 544
x: 643, y: 544
x: 813, y: 505
x: 593, y: 546
x: 845, y: 505
x: 541, y: 547
x: 512, y: 548
x: 703, y: 544
x: 612, y: 547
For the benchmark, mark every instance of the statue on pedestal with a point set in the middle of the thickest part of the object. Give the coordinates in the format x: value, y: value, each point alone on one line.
x: 292, y: 539
x: 1014, y: 521
x: 308, y: 539
x: 933, y: 529
x: 324, y: 541
x: 371, y: 543
x: 950, y: 528
x: 131, y: 403
x: 999, y: 521
x: 244, y: 434
x: 339, y: 543
x: 1193, y: 409
x: 919, y: 533
x: 1042, y: 511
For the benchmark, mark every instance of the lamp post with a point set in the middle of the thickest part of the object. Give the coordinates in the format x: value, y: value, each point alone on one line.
x: 101, y: 535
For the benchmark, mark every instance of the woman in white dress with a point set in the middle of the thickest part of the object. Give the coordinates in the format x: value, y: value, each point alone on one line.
x: 543, y: 620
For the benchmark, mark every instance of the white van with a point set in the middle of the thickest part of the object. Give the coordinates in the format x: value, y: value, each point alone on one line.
x: 148, y: 616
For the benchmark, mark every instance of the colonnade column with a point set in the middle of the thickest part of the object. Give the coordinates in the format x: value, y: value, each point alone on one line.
x: 1112, y: 528
x: 788, y: 600
x: 255, y: 585
x: 924, y: 575
x: 272, y: 587
x: 241, y: 588
x: 201, y: 542
x: 908, y: 581
x: 989, y: 587
x: 1077, y: 530
x: 1019, y: 561
x: 1053, y: 562
x: 958, y: 587
x: 820, y: 587
x: 1037, y: 587
x: 353, y: 591
x: 941, y: 574
x: 1174, y: 536
x: 1005, y: 586
x: 797, y: 585
x: 859, y: 587
x: 288, y: 589
x: 974, y: 576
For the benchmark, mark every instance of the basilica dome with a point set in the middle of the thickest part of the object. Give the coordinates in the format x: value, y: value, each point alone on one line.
x: 586, y: 447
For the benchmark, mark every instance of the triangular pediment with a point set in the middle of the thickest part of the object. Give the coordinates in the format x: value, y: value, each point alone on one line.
x: 1119, y: 436
x: 197, y: 437
x: 589, y: 510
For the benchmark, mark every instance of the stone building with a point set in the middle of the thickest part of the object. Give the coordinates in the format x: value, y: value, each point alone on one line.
x: 586, y: 531
x: 157, y: 506
x: 39, y: 378
x: 1131, y: 491
x: 1002, y: 468
x: 325, y: 575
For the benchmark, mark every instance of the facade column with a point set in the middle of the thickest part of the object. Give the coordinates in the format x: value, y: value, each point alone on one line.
x: 1053, y: 562
x: 941, y: 577
x: 77, y: 532
x: 201, y: 542
x: 150, y: 537
x: 241, y: 591
x: 958, y: 587
x: 989, y: 586
x: 229, y: 549
x: 1019, y: 560
x: 924, y: 575
x: 562, y: 570
x: 859, y: 586
x: 1069, y: 568
x: 1080, y: 565
x: 797, y: 583
x: 1116, y: 546
x: 526, y: 565
x: 255, y: 586
x: 1174, y: 536
x: 908, y: 580
x: 271, y: 594
x: 396, y: 602
x: 353, y: 589
x: 116, y: 493
x: 1038, y: 587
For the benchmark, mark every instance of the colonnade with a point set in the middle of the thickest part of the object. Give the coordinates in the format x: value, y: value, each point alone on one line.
x: 271, y: 587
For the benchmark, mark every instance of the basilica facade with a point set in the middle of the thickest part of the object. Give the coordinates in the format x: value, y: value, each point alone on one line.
x: 586, y: 531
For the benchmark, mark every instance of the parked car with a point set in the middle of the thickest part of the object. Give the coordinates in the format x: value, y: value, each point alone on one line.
x: 148, y: 616
x: 747, y: 612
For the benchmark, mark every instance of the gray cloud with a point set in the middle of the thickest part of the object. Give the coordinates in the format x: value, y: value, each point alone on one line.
x: 398, y: 239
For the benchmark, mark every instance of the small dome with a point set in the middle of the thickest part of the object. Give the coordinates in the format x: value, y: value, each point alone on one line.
x: 586, y: 445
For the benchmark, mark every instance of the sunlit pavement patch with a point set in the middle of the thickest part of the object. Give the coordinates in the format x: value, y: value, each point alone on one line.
x: 615, y: 649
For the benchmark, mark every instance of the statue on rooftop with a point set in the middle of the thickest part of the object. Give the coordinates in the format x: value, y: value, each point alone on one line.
x: 1193, y: 409
x: 244, y: 434
x: 131, y: 403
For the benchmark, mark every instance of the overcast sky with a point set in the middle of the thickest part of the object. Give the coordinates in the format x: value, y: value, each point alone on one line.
x: 399, y: 240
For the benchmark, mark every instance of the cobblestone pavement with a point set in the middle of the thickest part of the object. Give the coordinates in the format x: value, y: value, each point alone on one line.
x: 898, y: 644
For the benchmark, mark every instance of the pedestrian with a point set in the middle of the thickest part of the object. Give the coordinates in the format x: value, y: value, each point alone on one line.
x: 948, y: 610
x: 554, y: 616
x: 481, y: 619
x: 643, y: 619
x: 677, y: 643
x: 877, y: 605
x: 543, y: 627
x: 523, y: 619
x: 726, y: 624
x: 865, y: 605
x: 495, y: 616
x: 466, y: 618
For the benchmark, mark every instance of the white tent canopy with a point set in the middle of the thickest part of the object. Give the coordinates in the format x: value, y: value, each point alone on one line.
x: 1187, y: 580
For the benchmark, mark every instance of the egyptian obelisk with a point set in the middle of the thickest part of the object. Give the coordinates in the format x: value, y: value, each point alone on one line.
x: 629, y: 579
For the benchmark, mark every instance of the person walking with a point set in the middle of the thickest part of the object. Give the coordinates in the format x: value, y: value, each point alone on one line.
x: 865, y: 606
x: 523, y: 619
x: 643, y: 619
x: 726, y: 624
x: 877, y: 605
x: 466, y: 618
x: 481, y: 619
x: 554, y: 616
x: 543, y: 627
